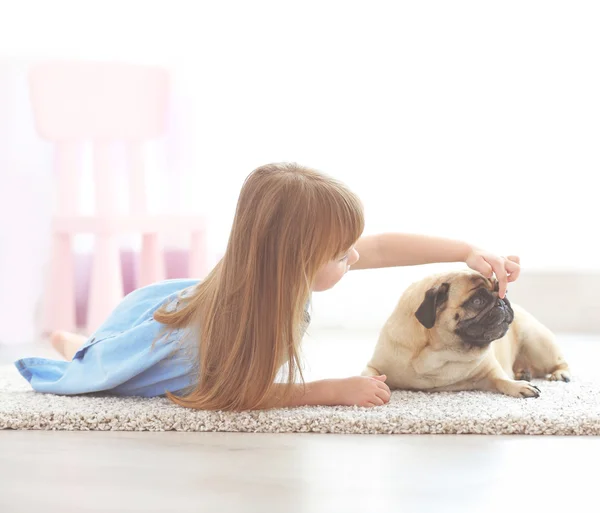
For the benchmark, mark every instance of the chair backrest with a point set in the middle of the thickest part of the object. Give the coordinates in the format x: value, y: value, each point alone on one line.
x: 101, y: 102
x: 98, y: 100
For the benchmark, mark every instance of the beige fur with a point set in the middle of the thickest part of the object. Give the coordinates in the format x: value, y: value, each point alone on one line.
x: 437, y: 359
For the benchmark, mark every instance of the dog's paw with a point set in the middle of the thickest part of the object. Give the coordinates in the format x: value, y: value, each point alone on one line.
x: 559, y: 375
x: 518, y: 388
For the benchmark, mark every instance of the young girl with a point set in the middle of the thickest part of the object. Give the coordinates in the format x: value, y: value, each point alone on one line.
x: 221, y: 343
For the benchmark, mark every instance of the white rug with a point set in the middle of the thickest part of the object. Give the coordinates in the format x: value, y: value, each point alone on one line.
x: 563, y: 409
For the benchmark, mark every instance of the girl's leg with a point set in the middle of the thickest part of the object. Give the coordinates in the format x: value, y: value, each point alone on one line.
x: 67, y: 344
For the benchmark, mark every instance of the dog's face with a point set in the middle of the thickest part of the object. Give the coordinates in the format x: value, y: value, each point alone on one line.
x: 465, y: 311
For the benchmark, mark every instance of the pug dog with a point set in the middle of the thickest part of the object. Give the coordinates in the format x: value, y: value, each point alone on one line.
x: 452, y: 332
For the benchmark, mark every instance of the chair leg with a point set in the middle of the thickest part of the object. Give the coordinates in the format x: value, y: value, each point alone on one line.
x: 106, y: 286
x: 198, y: 262
x: 59, y: 303
x: 152, y: 265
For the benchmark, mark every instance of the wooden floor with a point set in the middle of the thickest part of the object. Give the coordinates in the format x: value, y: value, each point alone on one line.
x: 61, y: 472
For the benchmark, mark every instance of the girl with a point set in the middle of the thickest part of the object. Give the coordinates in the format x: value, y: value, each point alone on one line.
x: 220, y: 344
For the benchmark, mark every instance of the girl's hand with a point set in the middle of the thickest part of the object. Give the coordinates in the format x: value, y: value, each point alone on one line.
x: 361, y: 391
x: 506, y: 269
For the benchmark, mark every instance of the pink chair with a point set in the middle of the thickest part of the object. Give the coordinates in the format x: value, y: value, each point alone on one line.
x: 78, y: 102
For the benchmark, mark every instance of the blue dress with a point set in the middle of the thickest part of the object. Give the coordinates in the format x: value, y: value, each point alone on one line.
x: 128, y: 355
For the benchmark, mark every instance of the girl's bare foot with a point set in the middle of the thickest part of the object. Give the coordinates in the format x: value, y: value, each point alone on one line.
x: 67, y: 344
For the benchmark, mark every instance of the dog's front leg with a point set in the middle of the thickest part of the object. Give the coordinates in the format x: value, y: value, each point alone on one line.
x: 496, y: 380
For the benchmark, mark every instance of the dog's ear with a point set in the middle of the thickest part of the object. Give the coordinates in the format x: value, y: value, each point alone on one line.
x: 434, y: 298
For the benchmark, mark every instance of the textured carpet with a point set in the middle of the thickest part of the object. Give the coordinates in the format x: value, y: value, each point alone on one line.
x: 563, y: 409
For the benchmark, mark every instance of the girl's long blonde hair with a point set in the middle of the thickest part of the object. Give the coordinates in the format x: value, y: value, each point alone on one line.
x: 249, y: 311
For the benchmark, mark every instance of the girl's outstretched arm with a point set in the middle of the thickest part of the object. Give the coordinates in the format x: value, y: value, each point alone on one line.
x: 357, y: 390
x: 401, y: 249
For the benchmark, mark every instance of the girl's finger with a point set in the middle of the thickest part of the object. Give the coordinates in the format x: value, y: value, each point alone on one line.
x: 383, y: 395
x: 378, y: 401
x: 513, y: 269
x: 501, y: 276
x: 383, y: 386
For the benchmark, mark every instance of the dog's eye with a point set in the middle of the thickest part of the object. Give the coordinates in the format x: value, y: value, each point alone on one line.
x: 477, y: 301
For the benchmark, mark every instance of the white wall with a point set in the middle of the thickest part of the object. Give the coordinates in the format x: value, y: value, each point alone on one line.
x: 474, y: 120
x: 25, y: 202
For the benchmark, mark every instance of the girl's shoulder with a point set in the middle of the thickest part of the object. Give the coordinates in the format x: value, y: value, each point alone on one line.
x: 139, y: 306
x: 160, y: 292
x: 165, y: 289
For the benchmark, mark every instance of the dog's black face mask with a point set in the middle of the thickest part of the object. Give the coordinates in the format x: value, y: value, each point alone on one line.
x: 478, y: 321
x: 486, y: 318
